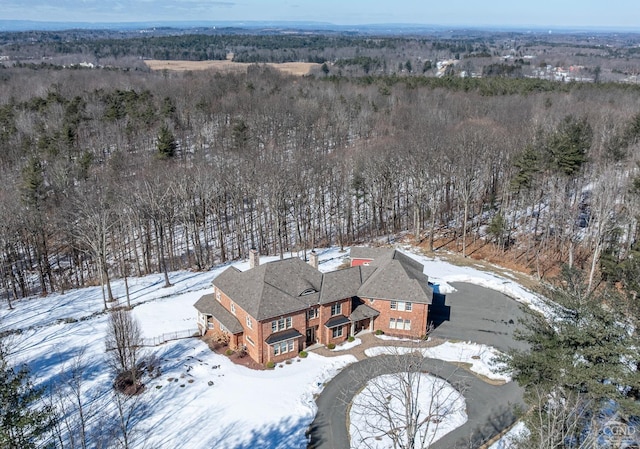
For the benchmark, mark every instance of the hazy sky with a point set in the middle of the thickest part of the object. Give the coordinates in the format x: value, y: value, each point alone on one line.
x: 541, y: 13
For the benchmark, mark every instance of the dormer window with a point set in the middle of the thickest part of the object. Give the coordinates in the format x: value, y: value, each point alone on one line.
x: 309, y: 291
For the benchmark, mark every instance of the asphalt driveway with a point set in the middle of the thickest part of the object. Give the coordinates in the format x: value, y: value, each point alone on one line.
x: 477, y: 314
x: 472, y: 313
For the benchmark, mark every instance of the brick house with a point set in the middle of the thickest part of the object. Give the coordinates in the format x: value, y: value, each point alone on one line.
x: 279, y: 308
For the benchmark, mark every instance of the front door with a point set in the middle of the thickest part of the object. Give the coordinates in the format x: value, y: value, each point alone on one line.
x: 311, y: 335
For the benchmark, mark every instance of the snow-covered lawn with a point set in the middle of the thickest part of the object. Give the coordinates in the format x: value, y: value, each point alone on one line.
x: 378, y: 408
x: 480, y: 357
x: 441, y: 273
x: 390, y: 338
x: 348, y: 345
x: 214, y: 403
x: 241, y: 407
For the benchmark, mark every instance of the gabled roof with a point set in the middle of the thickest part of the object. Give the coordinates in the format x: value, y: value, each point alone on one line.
x: 396, y: 276
x: 340, y: 284
x: 208, y: 305
x: 366, y: 252
x: 362, y: 312
x: 291, y: 285
x: 273, y: 289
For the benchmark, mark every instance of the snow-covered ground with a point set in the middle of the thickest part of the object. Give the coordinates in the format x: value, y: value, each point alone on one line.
x: 200, y: 399
x: 480, y: 357
x: 442, y: 409
x: 509, y: 439
x: 348, y: 345
x: 441, y: 274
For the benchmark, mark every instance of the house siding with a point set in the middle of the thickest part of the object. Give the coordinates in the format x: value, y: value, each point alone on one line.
x: 417, y: 315
x: 253, y: 333
x: 325, y: 334
x: 358, y: 262
x: 254, y: 337
x: 298, y: 322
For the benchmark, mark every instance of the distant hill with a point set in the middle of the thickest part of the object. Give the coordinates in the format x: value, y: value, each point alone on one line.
x: 276, y: 26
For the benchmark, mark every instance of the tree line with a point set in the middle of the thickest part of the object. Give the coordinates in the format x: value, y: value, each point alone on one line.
x: 115, y: 173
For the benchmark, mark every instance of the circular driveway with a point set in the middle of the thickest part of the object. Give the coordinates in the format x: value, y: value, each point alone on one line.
x: 472, y: 313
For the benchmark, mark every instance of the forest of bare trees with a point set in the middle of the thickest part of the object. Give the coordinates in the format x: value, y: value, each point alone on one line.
x: 121, y: 173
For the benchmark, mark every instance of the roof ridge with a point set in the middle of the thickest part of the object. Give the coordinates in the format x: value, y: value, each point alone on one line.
x: 321, y: 295
x: 376, y: 269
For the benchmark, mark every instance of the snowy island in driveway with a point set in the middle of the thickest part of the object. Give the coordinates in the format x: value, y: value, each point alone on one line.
x: 277, y: 309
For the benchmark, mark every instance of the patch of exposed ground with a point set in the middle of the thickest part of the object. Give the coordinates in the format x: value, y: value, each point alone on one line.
x: 509, y: 263
x: 291, y: 68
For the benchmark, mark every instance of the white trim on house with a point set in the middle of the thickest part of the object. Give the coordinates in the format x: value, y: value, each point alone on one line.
x: 281, y: 324
x: 283, y: 347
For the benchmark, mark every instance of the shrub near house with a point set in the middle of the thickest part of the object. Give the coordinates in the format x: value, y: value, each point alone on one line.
x: 277, y: 309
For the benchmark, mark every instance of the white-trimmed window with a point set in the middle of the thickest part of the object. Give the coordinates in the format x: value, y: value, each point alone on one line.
x: 281, y: 324
x: 283, y: 347
x: 399, y: 324
x: 312, y: 313
x: 233, y: 308
x: 402, y: 306
x: 251, y: 342
x: 249, y: 322
x: 336, y: 309
x: 337, y: 331
x: 210, y: 324
x: 218, y: 295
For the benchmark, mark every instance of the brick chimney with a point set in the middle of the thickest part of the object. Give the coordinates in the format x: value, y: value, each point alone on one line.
x: 254, y: 258
x: 313, y: 259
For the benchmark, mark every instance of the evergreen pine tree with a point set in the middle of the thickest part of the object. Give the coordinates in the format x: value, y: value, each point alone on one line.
x: 166, y: 143
x: 24, y: 420
x: 582, y: 350
x: 567, y: 148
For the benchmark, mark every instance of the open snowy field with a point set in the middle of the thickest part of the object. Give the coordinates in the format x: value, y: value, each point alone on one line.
x: 199, y: 399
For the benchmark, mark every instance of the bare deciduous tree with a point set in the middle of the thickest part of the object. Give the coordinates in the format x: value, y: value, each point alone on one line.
x: 94, y: 221
x: 557, y: 419
x: 405, y: 407
x: 129, y: 409
x: 69, y: 398
x: 123, y: 343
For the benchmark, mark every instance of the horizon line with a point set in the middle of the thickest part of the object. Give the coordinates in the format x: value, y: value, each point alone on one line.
x: 308, y: 23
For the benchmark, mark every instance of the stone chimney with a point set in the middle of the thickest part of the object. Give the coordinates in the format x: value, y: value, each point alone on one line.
x: 313, y: 259
x: 254, y: 258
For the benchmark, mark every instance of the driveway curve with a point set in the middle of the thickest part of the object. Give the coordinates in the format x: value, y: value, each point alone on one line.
x: 474, y: 314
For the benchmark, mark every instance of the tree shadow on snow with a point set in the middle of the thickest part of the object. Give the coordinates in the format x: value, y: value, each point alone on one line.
x: 288, y: 433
